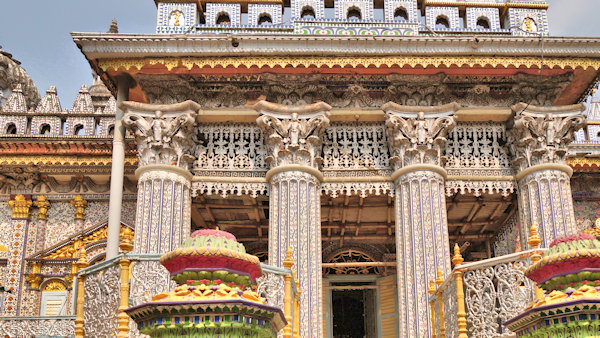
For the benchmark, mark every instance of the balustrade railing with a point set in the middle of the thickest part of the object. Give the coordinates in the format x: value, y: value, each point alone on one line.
x: 49, y: 326
x: 103, y: 292
x: 492, y: 291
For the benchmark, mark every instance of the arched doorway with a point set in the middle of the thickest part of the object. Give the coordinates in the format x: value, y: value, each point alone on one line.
x: 350, y: 294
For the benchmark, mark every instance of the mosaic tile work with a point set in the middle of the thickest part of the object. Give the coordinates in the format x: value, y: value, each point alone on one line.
x: 342, y: 8
x: 13, y: 272
x: 213, y: 10
x: 526, y: 21
x: 449, y: 13
x: 586, y: 213
x: 96, y: 212
x: 409, y: 6
x: 61, y: 222
x: 81, y: 126
x: 49, y: 103
x: 175, y: 17
x: 45, y: 125
x: 317, y: 7
x: 83, y: 102
x: 105, y: 126
x: 256, y: 11
x: 128, y: 209
x: 13, y: 125
x: 5, y: 213
x: 491, y: 15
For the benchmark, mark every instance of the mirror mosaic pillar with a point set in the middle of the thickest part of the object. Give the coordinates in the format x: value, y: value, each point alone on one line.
x: 293, y: 139
x: 164, y: 137
x: 417, y: 138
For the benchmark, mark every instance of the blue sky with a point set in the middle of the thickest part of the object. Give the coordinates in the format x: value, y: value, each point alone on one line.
x: 36, y: 32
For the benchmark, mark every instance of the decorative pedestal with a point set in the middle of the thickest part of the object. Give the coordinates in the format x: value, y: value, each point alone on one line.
x: 293, y: 137
x: 417, y: 137
x: 165, y: 138
x: 538, y: 140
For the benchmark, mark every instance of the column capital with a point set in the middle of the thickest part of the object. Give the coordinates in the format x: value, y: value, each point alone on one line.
x: 417, y: 135
x: 293, y: 134
x: 164, y: 133
x: 43, y: 205
x: 80, y: 205
x: 540, y: 135
x: 20, y: 206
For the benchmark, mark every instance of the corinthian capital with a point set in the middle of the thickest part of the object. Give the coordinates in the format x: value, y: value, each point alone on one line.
x: 164, y: 134
x: 417, y: 135
x: 541, y: 135
x: 293, y: 133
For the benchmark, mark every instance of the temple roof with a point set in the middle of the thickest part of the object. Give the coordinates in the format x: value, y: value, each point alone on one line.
x: 572, y: 63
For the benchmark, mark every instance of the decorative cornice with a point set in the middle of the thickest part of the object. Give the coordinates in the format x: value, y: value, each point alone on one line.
x: 105, y: 46
x: 276, y: 61
x: 73, y: 160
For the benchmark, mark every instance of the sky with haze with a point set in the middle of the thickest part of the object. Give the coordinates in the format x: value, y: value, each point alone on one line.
x: 36, y: 32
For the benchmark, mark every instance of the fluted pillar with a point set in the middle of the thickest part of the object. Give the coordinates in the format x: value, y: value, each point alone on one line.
x: 165, y: 137
x: 417, y: 137
x: 538, y: 141
x: 293, y: 136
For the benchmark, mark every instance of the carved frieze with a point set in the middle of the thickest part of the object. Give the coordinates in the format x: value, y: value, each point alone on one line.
x: 541, y: 135
x: 293, y: 134
x: 164, y: 134
x: 352, y: 91
x: 35, y: 183
x: 418, y: 135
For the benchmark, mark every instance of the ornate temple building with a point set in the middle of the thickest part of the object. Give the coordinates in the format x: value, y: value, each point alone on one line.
x: 399, y: 150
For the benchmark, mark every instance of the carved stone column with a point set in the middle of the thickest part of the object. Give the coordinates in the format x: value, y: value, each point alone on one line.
x: 165, y: 137
x: 538, y: 141
x: 293, y: 138
x: 14, y: 269
x: 417, y: 137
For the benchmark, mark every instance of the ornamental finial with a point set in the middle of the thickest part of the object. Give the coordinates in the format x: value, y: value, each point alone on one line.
x: 533, y: 240
x: 20, y: 206
x: 431, y: 289
x: 288, y: 262
x: 82, y: 263
x: 458, y: 258
x: 440, y: 278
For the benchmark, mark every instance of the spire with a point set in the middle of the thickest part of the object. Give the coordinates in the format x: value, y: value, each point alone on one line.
x: 114, y: 28
x: 83, y: 102
x: 111, y: 106
x: 16, y: 101
x: 50, y: 102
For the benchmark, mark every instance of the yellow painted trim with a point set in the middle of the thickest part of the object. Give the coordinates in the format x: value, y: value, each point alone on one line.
x: 546, y: 166
x: 62, y: 160
x: 3, y: 248
x: 347, y: 61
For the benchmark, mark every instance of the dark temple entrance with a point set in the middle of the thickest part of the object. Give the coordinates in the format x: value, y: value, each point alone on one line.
x: 353, y: 313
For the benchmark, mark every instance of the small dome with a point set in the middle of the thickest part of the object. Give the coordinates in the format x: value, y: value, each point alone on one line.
x: 11, y: 76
